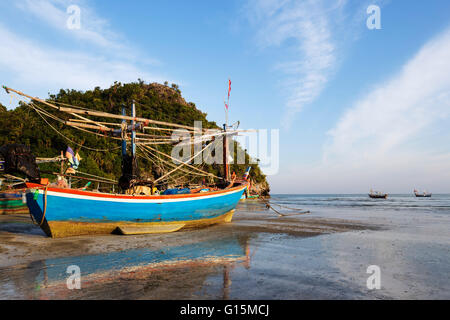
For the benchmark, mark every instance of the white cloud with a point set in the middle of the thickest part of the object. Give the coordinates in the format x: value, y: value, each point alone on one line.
x: 309, y: 24
x: 393, y: 139
x: 101, y: 55
x: 317, y: 31
x: 397, y: 110
x: 95, y: 30
x: 32, y: 65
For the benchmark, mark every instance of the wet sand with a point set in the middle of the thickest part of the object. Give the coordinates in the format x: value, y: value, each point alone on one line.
x: 321, y: 255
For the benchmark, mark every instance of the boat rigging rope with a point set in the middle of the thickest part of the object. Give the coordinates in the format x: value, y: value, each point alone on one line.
x: 41, y: 110
x: 188, y: 165
x: 184, y: 172
x: 99, y: 177
x: 78, y: 144
x: 145, y: 152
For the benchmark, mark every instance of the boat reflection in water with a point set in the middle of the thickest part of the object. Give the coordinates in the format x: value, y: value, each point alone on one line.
x: 171, y: 272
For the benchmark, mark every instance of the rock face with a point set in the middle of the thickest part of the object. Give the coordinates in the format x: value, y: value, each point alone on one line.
x: 262, y: 188
x: 169, y: 94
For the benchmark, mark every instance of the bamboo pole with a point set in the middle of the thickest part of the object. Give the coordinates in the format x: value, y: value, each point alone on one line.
x: 100, y: 113
x: 116, y: 116
x: 87, y: 126
x: 118, y: 125
x: 81, y: 123
x: 88, y: 120
x: 30, y: 97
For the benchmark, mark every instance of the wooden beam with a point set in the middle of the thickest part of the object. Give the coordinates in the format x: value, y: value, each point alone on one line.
x: 74, y: 111
x: 87, y: 126
x: 116, y: 116
x: 30, y: 97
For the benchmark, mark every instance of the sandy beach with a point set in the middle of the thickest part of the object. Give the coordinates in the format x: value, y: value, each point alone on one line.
x: 259, y: 255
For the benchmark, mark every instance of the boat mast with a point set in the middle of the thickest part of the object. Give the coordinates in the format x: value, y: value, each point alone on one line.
x: 129, y: 163
x: 225, y: 154
x: 133, y: 131
x: 226, y: 174
x: 124, y: 130
x: 134, y: 165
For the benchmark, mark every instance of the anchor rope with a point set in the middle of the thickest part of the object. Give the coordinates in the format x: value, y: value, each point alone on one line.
x: 269, y: 206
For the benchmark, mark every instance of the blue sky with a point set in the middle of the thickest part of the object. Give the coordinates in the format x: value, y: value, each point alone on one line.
x: 356, y: 108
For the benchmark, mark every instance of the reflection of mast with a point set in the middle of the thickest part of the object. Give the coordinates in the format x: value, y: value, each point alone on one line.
x: 135, y: 265
x: 133, y: 133
x: 226, y: 174
x: 247, y: 256
x: 226, y: 282
x: 124, y: 133
x: 226, y: 271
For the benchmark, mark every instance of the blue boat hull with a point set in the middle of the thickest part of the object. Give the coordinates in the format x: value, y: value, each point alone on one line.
x: 55, y: 208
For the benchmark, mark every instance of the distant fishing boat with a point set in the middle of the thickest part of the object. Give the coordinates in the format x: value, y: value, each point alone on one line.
x: 424, y: 194
x: 62, y: 211
x: 377, y: 195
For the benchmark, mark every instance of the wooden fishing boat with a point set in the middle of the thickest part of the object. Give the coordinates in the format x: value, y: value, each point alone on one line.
x: 68, y: 212
x: 62, y: 211
x: 422, y: 194
x: 377, y: 195
x: 13, y: 202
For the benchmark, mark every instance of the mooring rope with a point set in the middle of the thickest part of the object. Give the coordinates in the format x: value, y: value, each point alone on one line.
x: 45, y: 206
x: 279, y: 205
x: 269, y: 206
